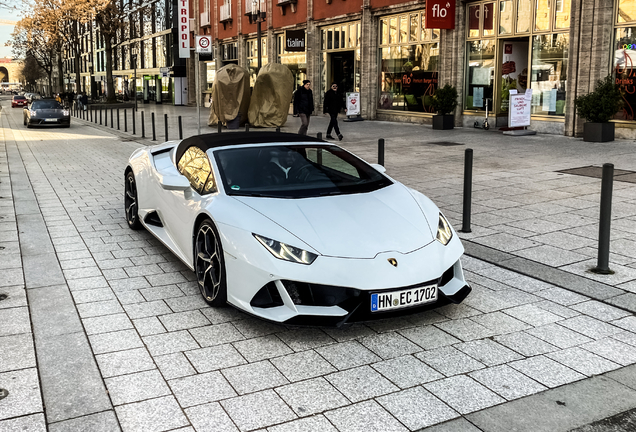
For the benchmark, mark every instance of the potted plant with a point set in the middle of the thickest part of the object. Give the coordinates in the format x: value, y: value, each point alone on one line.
x: 597, y: 108
x: 444, y: 102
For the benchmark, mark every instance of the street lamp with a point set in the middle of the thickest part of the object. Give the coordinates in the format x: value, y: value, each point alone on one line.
x: 133, y: 53
x: 258, y: 17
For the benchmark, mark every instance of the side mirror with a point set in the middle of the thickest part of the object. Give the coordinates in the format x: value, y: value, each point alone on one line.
x: 174, y: 182
x: 379, y: 168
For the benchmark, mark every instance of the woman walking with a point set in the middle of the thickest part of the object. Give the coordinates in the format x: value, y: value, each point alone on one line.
x: 332, y: 106
x: 304, y: 105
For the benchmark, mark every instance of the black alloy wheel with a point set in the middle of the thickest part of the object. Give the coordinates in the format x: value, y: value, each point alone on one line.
x: 209, y: 264
x: 130, y: 202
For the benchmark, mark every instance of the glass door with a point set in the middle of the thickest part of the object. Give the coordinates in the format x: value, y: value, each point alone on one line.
x: 512, y: 73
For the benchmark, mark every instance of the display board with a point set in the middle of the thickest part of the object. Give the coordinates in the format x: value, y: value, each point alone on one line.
x: 519, y: 113
x: 353, y: 104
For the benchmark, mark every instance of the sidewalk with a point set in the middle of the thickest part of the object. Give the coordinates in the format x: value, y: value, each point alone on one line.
x: 541, y: 344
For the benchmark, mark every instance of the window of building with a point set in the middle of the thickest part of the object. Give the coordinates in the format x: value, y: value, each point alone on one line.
x: 195, y: 166
x: 229, y: 52
x: 251, y: 46
x: 549, y: 73
x: 409, y: 57
x: 624, y: 57
x: 340, y: 59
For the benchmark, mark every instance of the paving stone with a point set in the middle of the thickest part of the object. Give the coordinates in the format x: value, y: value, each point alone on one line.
x: 559, y: 336
x: 107, y: 323
x: 82, y: 272
x: 507, y: 382
x: 16, y: 297
x: 302, y: 365
x: 124, y: 362
x: 174, y: 365
x: 136, y: 387
x: 262, y: 348
x: 129, y: 297
x: 562, y: 296
x: 153, y: 415
x: 311, y: 396
x: 583, y: 361
x: 449, y: 361
x: 389, y: 345
x: 129, y: 283
x: 87, y: 283
x: 532, y: 315
x: 143, y: 270
x: 525, y: 344
x: 161, y: 292
x: 149, y: 326
x: 361, y: 383
x: 488, y: 352
x: 210, y: 418
x: 307, y: 424
x: 463, y: 394
x: 613, y: 350
x: 165, y: 279
x: 254, y: 377
x: 500, y: 323
x: 17, y: 352
x: 628, y: 323
x: 24, y: 393
x: 301, y: 339
x: 406, y: 371
x: 557, y: 309
x: 257, y: 410
x: 11, y: 277
x: 99, y: 308
x: 15, y: 321
x: 590, y: 327
x: 217, y: 315
x: 168, y: 343
x: 465, y: 329
x: 183, y: 320
x: 115, y: 341
x: 216, y: 335
x: 253, y: 327
x: 366, y: 416
x: 143, y: 310
x: 93, y: 295
x: 546, y: 371
x: 416, y: 408
x: 214, y: 358
x: 32, y: 423
x: 355, y: 331
x: 429, y: 337
x: 347, y: 355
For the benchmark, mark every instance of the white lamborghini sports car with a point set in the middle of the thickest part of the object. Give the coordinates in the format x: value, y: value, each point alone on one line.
x: 293, y: 229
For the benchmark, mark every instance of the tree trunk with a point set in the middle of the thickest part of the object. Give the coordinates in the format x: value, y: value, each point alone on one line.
x: 110, y: 89
x: 60, y: 73
x: 78, y: 76
x: 50, y: 75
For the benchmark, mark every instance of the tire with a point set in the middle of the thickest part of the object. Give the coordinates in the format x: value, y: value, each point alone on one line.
x: 131, y: 206
x: 209, y: 264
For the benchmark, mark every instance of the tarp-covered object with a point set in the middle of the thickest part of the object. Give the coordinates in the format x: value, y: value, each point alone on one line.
x: 230, y: 95
x: 271, y: 96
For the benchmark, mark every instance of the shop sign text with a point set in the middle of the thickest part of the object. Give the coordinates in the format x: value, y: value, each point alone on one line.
x: 184, y: 28
x: 295, y: 40
x: 440, y: 14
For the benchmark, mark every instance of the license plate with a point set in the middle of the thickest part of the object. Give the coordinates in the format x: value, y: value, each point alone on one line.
x: 404, y: 298
x: 50, y: 120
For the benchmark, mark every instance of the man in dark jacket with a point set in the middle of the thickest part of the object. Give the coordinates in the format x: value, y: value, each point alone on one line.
x: 304, y: 105
x: 332, y: 105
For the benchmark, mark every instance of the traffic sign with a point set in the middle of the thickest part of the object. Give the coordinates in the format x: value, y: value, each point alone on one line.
x: 204, y: 44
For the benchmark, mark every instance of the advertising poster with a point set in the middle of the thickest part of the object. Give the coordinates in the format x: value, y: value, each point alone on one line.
x: 519, y: 114
x: 353, y: 103
x: 478, y: 97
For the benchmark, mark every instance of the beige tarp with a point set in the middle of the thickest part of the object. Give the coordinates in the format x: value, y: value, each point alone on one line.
x: 271, y: 96
x: 230, y: 95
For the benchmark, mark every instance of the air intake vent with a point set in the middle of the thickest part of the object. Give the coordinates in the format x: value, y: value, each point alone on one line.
x: 152, y: 218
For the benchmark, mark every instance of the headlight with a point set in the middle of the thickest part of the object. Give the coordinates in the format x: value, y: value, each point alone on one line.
x: 66, y: 112
x: 32, y: 112
x: 286, y: 252
x: 444, y: 233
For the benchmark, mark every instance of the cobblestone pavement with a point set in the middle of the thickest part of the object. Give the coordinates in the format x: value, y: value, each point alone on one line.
x: 105, y: 328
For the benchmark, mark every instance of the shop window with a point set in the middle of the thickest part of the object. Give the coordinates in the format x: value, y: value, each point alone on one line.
x: 414, y: 28
x: 524, y: 15
x: 562, y: 9
x: 480, y: 76
x: 404, y: 24
x: 505, y: 17
x: 393, y: 35
x: 549, y: 73
x: 625, y: 69
x: 352, y: 35
x: 542, y: 15
x: 626, y: 11
x: 489, y: 19
x: 474, y: 13
x: 425, y: 34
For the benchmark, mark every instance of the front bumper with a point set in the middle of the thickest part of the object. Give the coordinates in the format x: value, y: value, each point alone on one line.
x: 46, y: 121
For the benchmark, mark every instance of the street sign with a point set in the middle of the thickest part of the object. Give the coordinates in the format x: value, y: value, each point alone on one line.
x: 184, y: 28
x: 204, y: 44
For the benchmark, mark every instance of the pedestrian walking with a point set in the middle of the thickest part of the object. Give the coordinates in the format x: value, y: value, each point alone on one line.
x: 332, y: 105
x: 304, y: 105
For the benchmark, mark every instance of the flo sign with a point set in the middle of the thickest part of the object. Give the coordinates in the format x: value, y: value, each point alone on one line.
x: 183, y: 15
x: 440, y: 14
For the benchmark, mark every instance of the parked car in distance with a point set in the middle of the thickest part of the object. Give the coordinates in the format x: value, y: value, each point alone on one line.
x: 46, y: 112
x: 18, y: 101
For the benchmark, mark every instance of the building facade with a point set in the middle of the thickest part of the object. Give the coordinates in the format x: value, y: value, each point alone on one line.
x: 385, y: 50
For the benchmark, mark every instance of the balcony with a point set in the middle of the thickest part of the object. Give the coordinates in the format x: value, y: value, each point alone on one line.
x: 284, y: 3
x: 205, y: 19
x: 249, y: 5
x: 225, y: 11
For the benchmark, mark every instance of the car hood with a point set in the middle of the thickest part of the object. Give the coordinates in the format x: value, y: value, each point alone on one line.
x: 353, y: 225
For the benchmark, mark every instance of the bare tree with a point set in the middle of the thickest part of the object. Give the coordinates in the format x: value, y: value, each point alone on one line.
x: 110, y: 17
x: 30, y: 40
x: 31, y: 71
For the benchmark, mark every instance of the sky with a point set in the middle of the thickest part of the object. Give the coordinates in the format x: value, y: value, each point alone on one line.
x: 6, y: 30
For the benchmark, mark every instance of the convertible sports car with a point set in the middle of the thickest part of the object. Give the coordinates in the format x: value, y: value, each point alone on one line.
x: 293, y: 229
x: 46, y: 112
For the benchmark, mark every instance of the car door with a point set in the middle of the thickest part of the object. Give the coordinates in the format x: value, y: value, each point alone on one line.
x: 183, y: 206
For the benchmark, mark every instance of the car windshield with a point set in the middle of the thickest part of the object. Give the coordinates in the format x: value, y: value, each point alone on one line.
x: 295, y: 171
x: 47, y: 104
x: 18, y: 97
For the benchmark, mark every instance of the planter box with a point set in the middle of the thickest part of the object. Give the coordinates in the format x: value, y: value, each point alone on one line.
x: 598, y: 132
x: 442, y: 122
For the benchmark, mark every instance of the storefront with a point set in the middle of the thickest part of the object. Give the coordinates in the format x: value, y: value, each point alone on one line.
x: 624, y: 60
x: 290, y: 50
x: 408, y: 63
x: 340, y: 57
x: 516, y: 45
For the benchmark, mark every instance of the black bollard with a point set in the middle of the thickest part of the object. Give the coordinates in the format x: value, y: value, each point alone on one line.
x: 219, y: 127
x: 468, y: 190
x: 165, y: 125
x: 100, y: 116
x: 381, y: 151
x: 319, y: 135
x: 602, y: 266
x: 106, y: 117
x: 117, y: 118
x: 125, y: 121
x: 319, y: 157
x: 277, y: 128
x: 152, y: 119
x: 111, y: 118
x: 247, y: 127
x: 143, y: 126
x: 91, y: 110
x: 133, y: 121
x: 180, y: 129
